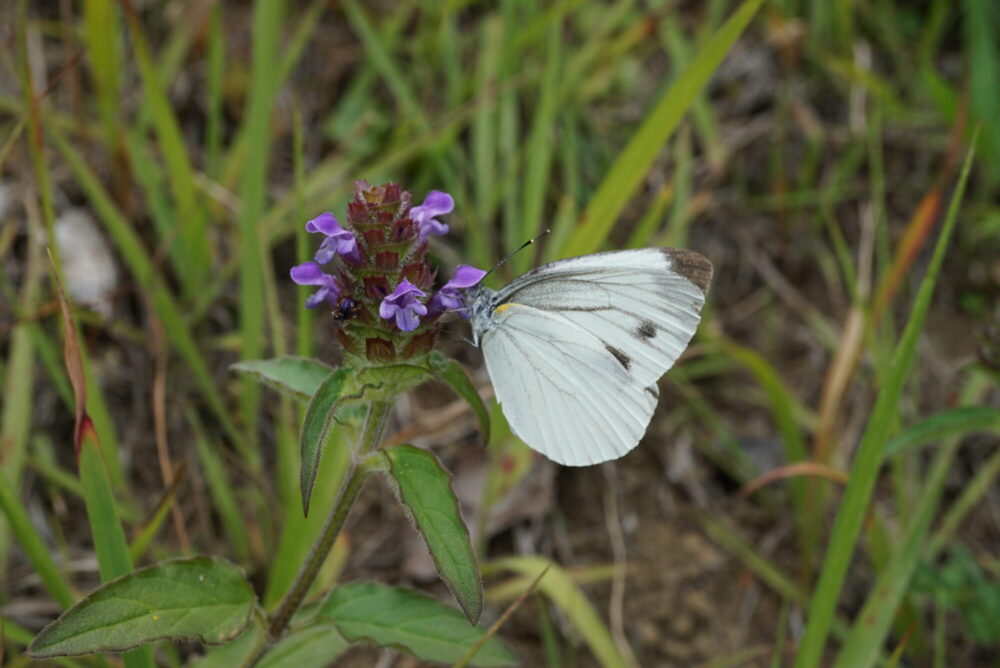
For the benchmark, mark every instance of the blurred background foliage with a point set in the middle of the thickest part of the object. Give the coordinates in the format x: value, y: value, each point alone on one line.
x: 174, y: 150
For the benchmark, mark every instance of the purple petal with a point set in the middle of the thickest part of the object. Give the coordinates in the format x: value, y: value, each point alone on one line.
x: 403, y: 307
x: 309, y: 273
x: 406, y: 321
x: 326, y: 251
x: 325, y: 223
x: 402, y: 290
x: 437, y: 203
x: 347, y: 247
x: 465, y: 277
x: 387, y: 310
x: 444, y: 300
x: 406, y: 318
x: 434, y: 226
x: 317, y: 298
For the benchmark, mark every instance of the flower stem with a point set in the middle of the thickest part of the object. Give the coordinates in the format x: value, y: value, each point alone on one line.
x: 371, y: 435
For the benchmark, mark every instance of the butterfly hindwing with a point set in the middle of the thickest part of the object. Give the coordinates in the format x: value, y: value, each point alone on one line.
x: 562, y: 392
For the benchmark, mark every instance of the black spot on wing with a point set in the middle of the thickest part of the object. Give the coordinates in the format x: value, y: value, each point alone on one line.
x: 622, y: 358
x: 654, y: 390
x: 646, y: 331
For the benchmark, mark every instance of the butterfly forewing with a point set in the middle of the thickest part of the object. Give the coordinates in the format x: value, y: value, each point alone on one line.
x: 636, y: 302
x: 574, y: 347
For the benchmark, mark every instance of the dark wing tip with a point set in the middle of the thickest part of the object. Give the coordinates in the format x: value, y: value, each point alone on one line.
x: 693, y: 266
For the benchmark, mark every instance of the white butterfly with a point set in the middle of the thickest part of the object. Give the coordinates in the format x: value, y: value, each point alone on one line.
x: 574, y: 348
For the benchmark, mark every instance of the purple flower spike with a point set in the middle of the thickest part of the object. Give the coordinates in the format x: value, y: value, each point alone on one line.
x: 402, y: 305
x: 436, y: 203
x: 310, y: 273
x: 338, y: 240
x: 448, y: 297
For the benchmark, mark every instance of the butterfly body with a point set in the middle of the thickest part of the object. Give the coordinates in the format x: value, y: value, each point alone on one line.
x: 574, y: 347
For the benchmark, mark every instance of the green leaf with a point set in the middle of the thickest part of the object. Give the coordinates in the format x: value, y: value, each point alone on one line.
x: 312, y: 647
x: 449, y: 371
x: 230, y: 654
x: 322, y: 409
x: 634, y: 161
x: 297, y: 376
x: 315, y: 644
x: 410, y: 621
x: 956, y: 422
x: 424, y: 488
x: 203, y: 598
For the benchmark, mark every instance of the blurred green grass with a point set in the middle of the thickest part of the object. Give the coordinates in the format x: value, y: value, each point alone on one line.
x: 813, y: 169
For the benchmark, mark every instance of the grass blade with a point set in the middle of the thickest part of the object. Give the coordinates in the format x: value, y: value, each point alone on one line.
x: 39, y: 554
x: 19, y: 380
x: 221, y: 490
x: 631, y: 165
x: 541, y: 142
x: 191, y: 229
x: 559, y: 587
x: 869, y: 456
x: 141, y: 266
x: 783, y: 405
x: 483, y: 140
x: 235, y: 159
x: 100, y: 19
x: 266, y: 29
x: 109, y: 540
x: 955, y: 422
x: 882, y: 606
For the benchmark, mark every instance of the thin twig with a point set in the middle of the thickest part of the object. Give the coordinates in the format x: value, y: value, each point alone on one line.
x: 617, y: 537
x: 160, y: 426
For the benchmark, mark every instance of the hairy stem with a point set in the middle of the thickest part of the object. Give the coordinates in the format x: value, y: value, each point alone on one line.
x: 371, y: 434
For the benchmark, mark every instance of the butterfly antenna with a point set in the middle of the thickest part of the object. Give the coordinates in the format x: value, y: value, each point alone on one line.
x: 516, y: 251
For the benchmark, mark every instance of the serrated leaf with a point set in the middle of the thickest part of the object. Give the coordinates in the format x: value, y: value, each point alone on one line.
x: 410, y: 621
x: 319, y: 416
x: 424, y: 488
x: 203, y: 598
x: 449, y: 371
x: 298, y: 376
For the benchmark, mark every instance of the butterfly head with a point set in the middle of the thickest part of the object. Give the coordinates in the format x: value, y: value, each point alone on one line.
x: 480, y: 304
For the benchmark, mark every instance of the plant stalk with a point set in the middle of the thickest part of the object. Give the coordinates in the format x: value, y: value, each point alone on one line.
x: 371, y: 435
